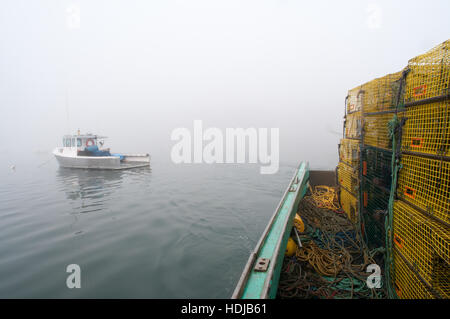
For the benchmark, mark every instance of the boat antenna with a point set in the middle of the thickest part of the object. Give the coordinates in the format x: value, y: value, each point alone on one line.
x: 67, y: 110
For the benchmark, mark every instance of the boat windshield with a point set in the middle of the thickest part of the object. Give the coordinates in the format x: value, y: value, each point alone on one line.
x: 68, y: 142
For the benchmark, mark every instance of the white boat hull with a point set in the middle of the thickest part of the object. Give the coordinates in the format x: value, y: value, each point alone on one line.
x: 102, y: 162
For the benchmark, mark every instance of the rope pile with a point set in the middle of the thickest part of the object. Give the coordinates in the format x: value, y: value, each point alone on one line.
x: 325, y: 197
x: 332, y: 260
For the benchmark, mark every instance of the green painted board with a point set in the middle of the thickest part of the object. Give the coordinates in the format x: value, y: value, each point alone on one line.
x: 255, y: 284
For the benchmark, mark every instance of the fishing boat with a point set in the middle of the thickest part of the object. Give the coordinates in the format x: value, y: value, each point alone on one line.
x: 309, y: 250
x: 261, y: 275
x: 86, y: 151
x: 378, y: 226
x: 259, y: 279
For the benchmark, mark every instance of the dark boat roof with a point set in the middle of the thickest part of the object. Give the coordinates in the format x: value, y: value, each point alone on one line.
x: 84, y: 136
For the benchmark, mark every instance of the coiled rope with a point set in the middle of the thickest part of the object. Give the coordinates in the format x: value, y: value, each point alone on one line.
x: 332, y: 261
x: 325, y: 197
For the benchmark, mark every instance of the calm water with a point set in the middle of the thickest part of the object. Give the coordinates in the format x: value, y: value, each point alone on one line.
x: 165, y: 232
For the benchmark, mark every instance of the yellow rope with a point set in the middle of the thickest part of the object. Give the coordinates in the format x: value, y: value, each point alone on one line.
x: 325, y: 197
x: 325, y: 262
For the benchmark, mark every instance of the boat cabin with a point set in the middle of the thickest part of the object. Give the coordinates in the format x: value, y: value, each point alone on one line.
x: 84, y: 145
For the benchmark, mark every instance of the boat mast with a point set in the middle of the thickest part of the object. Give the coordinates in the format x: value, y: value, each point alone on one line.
x: 67, y: 108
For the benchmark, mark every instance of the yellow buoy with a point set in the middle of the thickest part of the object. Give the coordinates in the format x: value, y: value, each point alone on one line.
x: 298, y: 223
x: 291, y: 247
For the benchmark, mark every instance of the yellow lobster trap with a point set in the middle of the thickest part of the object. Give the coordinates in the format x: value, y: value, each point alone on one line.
x: 349, y: 152
x: 381, y: 94
x: 429, y: 74
x: 349, y: 204
x: 353, y: 125
x: 354, y: 99
x: 348, y: 177
x: 427, y: 129
x: 425, y: 244
x: 425, y: 183
x: 376, y: 130
x: 406, y: 283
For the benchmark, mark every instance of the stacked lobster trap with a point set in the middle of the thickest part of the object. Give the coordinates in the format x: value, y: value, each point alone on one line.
x: 395, y: 164
x: 420, y: 213
x: 366, y: 150
x: 349, y: 155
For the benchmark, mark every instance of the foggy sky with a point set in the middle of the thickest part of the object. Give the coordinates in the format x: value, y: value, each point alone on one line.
x: 136, y: 70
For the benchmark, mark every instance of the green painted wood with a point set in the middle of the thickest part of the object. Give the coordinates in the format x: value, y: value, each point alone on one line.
x: 254, y: 284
